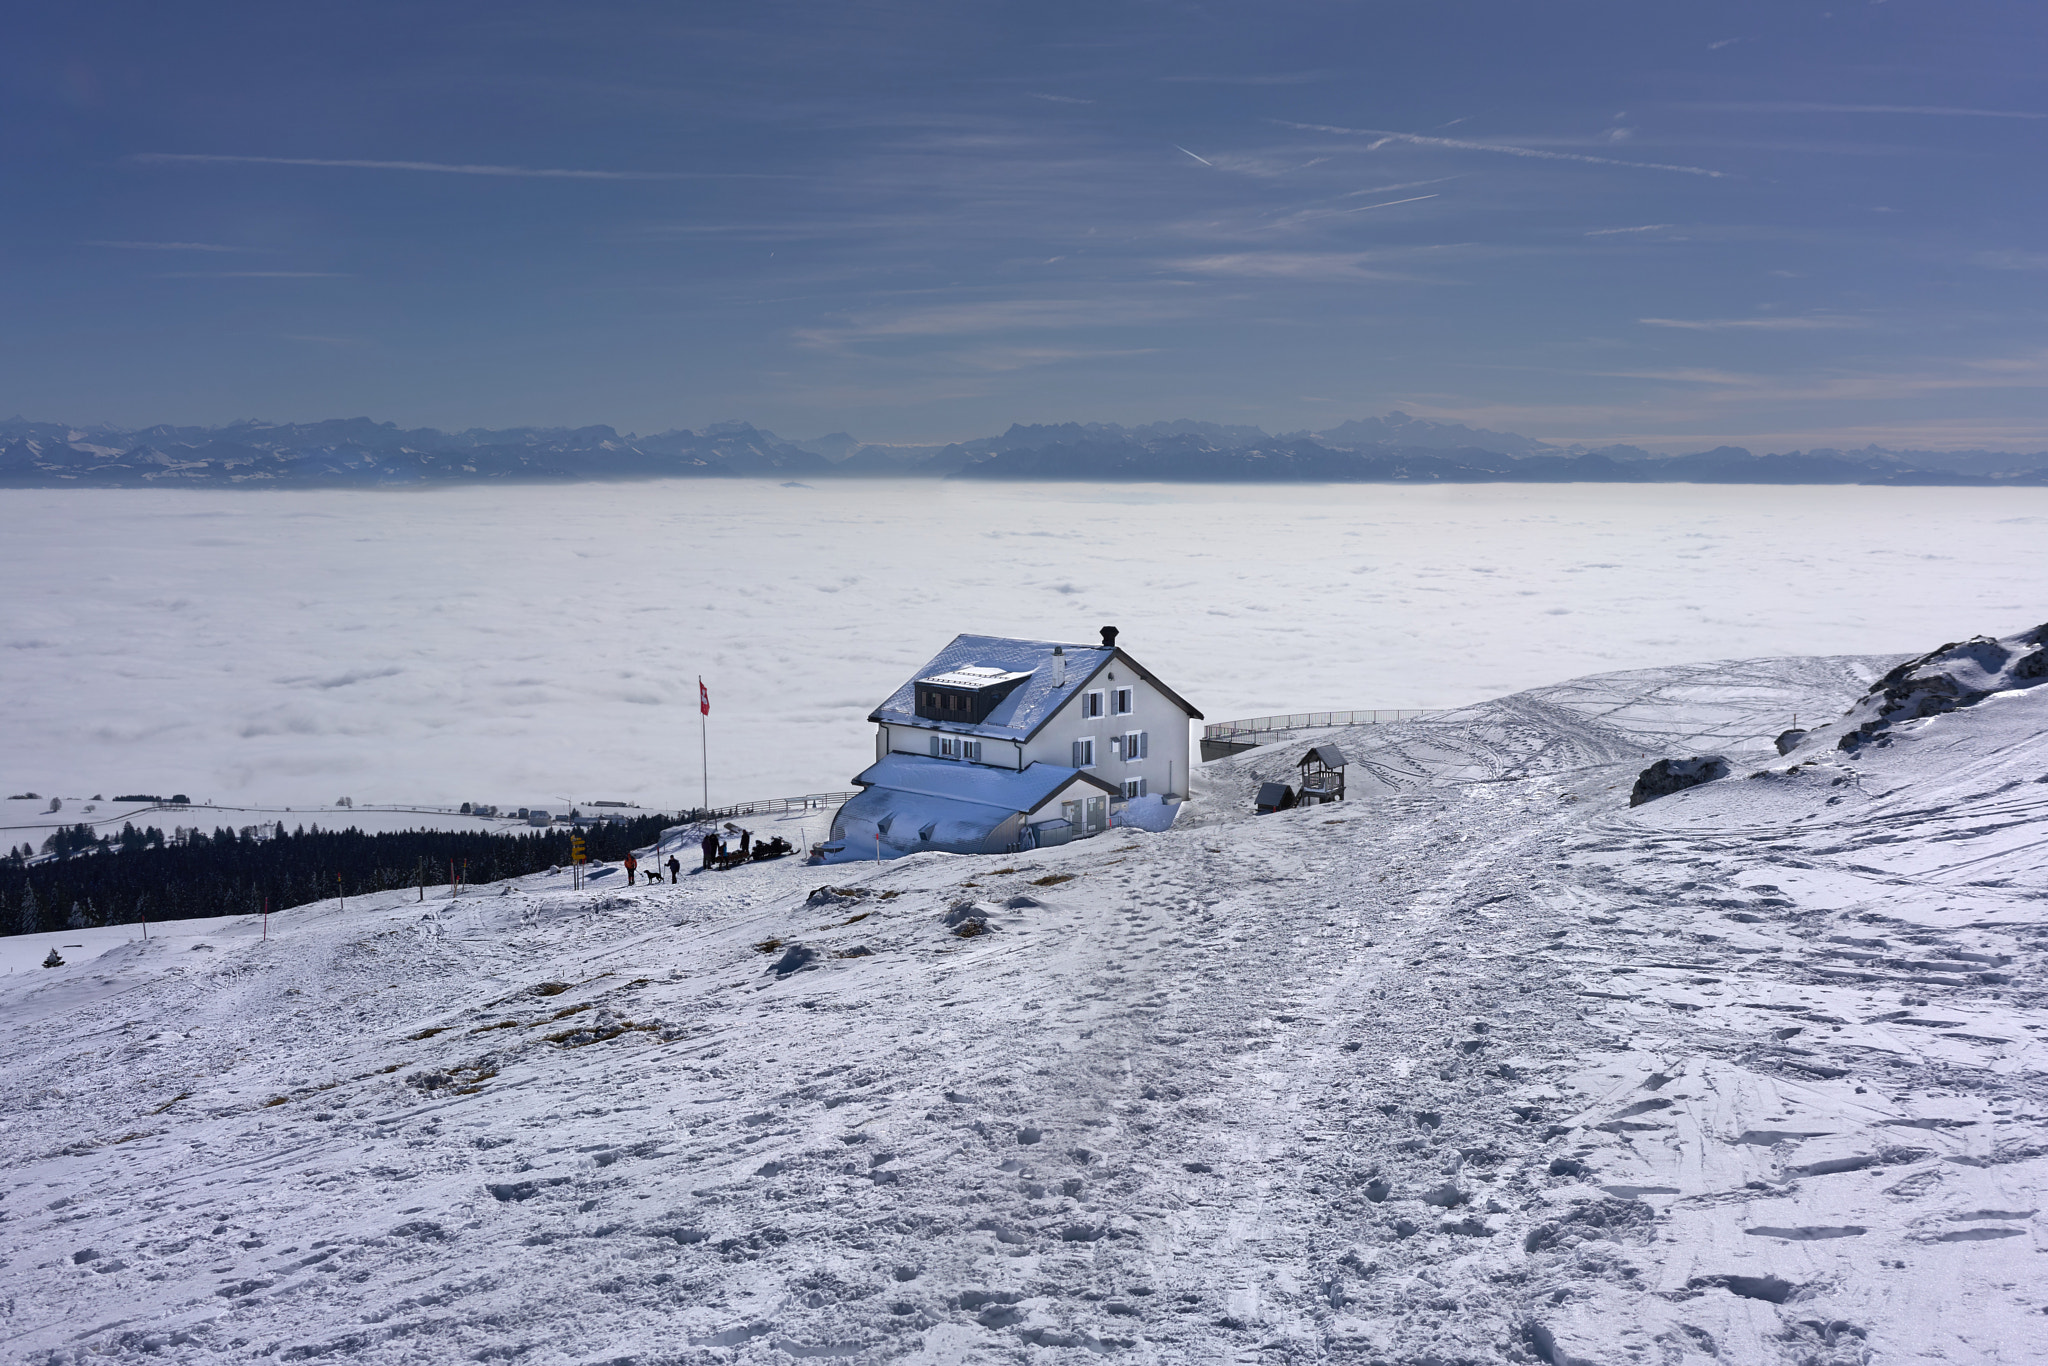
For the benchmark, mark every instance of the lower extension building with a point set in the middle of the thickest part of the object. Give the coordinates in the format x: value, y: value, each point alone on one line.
x: 999, y: 745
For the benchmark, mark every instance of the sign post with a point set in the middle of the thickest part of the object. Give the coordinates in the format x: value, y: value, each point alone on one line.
x: 576, y: 860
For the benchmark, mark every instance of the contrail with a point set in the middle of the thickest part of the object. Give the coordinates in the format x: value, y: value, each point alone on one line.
x: 1204, y: 160
x: 1388, y: 204
x: 543, y: 172
x: 1507, y: 149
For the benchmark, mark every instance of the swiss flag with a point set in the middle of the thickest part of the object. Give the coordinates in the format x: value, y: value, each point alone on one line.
x: 703, y: 698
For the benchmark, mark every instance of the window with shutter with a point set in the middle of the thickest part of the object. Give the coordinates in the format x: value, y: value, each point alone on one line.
x: 935, y: 747
x: 1084, y: 753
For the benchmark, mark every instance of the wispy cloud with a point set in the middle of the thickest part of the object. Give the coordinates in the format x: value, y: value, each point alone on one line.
x: 986, y: 317
x: 1386, y: 136
x: 254, y: 275
x: 1001, y: 359
x: 438, y: 167
x: 1328, y: 266
x: 1646, y: 227
x: 2012, y: 260
x: 1808, y: 323
x: 1804, y: 107
x: 1269, y: 78
x: 170, y: 246
x: 1060, y: 99
x: 1404, y: 185
x: 1389, y: 203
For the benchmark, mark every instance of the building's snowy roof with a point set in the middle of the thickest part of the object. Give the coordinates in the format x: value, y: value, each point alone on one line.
x: 1003, y: 789
x: 1031, y: 703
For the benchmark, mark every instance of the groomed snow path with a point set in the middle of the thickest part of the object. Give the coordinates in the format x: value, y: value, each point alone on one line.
x: 1480, y: 1066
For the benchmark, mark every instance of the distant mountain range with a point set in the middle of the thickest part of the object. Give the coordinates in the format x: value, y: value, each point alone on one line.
x: 356, y: 452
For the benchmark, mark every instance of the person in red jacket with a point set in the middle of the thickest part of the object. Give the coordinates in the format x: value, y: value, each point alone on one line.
x: 631, y: 864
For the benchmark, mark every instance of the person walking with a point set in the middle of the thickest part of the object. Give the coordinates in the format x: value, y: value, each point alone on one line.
x: 675, y: 868
x: 710, y: 848
x: 631, y: 864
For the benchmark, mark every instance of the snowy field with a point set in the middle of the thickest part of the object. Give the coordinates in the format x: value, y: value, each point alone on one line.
x: 1480, y: 1066
x: 522, y: 645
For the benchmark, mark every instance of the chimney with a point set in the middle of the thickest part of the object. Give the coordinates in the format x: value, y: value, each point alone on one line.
x: 1059, y: 667
x: 1109, y: 637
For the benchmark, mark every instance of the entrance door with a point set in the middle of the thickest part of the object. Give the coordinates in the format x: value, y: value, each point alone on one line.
x: 1070, y: 812
x: 1098, y: 814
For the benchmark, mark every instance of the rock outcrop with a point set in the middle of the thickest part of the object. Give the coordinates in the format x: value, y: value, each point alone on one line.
x: 1667, y: 776
x: 1960, y: 674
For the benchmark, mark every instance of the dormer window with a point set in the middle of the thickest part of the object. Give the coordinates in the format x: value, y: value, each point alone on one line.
x: 965, y: 695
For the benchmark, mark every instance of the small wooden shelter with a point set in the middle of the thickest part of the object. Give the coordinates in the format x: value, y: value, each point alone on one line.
x: 1273, y: 797
x: 1322, y: 775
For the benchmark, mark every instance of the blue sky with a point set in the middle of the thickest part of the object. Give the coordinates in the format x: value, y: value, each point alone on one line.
x: 1781, y: 224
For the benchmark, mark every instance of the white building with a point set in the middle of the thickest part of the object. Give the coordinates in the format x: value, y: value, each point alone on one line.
x: 1001, y: 744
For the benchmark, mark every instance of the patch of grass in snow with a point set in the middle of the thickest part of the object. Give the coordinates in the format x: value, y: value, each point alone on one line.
x: 182, y: 1095
x: 768, y: 946
x: 566, y: 1011
x: 427, y: 1033
x: 855, y: 920
x: 551, y: 988
x: 502, y: 1024
x: 276, y: 1100
x: 1000, y: 871
x: 584, y: 1036
x: 1052, y: 879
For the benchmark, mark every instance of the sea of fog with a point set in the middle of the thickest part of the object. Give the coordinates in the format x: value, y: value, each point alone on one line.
x: 543, y: 643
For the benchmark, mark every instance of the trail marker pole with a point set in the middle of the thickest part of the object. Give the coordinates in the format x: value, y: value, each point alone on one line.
x: 423, y: 877
x: 266, y: 920
x: 340, y: 895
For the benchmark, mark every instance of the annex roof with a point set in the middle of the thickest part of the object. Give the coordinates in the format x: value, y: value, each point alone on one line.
x: 1001, y: 789
x: 1031, y: 703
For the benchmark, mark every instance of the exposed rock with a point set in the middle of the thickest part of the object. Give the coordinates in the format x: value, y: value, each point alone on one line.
x: 1788, y: 741
x: 1959, y: 674
x: 1667, y: 776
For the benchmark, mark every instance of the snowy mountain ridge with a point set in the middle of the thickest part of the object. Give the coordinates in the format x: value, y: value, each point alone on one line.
x: 1479, y: 1066
x: 357, y: 452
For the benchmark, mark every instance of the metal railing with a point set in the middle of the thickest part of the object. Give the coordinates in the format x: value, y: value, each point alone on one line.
x: 769, y: 806
x: 1310, y: 720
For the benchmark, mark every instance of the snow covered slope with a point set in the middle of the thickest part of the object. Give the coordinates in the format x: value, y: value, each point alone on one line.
x: 1480, y: 1066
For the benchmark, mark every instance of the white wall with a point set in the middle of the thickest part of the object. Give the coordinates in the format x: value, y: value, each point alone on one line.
x: 1165, y: 767
x: 1154, y: 713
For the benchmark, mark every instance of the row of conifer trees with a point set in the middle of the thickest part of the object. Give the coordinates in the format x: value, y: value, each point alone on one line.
x: 139, y: 875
